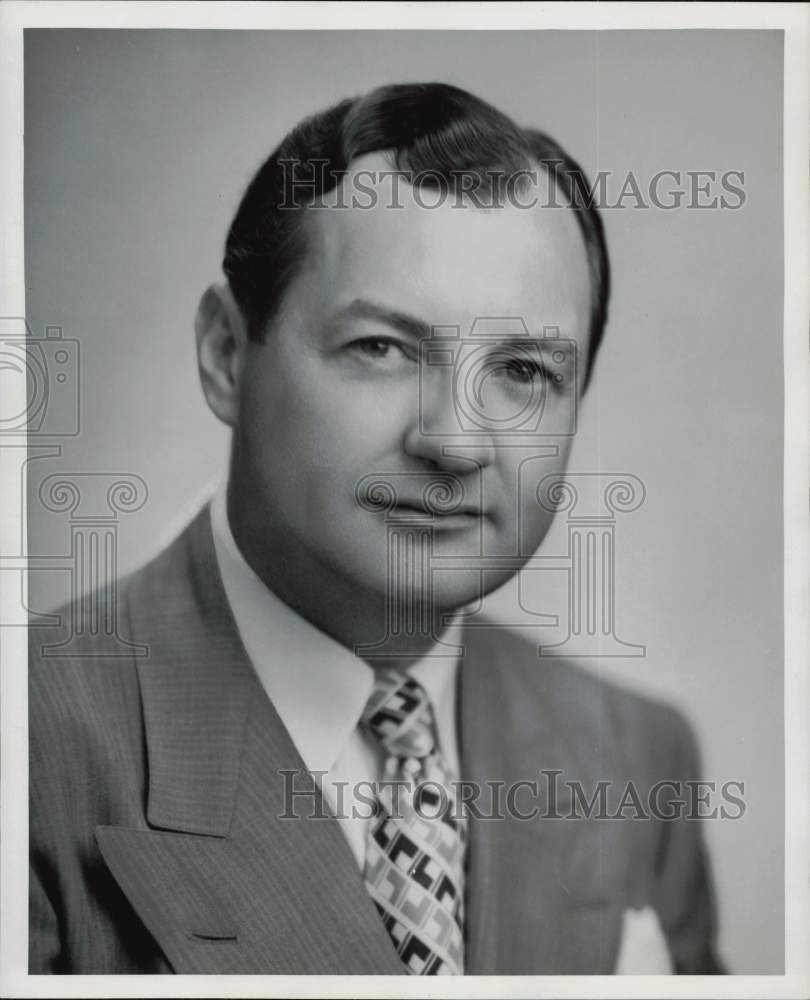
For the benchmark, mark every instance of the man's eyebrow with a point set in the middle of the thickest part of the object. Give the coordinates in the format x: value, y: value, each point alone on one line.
x: 366, y: 309
x: 531, y: 339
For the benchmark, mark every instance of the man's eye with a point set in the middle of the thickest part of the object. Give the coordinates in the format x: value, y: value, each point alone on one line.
x: 375, y: 346
x: 379, y: 348
x: 522, y: 370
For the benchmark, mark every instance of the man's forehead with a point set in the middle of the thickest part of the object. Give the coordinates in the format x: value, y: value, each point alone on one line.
x: 380, y: 242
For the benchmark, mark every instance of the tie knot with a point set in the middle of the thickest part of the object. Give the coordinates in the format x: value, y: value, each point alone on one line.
x: 400, y: 715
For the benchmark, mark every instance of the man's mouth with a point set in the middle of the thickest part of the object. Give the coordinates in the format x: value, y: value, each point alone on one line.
x: 460, y: 517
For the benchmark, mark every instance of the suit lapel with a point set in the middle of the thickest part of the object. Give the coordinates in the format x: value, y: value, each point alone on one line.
x: 540, y: 899
x: 236, y: 872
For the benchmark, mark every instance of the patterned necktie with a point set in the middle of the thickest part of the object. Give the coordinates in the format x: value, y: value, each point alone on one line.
x: 414, y: 868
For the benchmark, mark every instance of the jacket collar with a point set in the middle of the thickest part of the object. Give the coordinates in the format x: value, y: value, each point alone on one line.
x: 196, y: 685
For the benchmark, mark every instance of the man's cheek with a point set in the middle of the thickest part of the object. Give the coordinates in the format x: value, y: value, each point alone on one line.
x: 534, y: 525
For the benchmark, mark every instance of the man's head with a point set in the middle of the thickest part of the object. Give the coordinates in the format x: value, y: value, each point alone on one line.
x: 437, y: 134
x: 377, y: 226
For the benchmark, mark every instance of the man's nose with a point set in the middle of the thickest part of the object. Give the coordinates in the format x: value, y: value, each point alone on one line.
x: 437, y: 436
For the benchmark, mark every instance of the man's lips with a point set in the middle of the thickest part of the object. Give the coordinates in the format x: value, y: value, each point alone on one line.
x: 458, y: 513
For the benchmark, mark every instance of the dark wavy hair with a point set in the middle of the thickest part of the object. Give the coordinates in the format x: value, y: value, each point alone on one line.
x: 434, y: 133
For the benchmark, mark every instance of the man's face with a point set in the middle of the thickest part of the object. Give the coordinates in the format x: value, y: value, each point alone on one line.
x: 340, y: 393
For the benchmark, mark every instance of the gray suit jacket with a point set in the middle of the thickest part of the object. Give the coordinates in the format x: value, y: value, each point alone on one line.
x: 157, y: 843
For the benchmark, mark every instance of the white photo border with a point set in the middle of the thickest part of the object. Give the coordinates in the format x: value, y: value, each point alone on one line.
x: 794, y: 21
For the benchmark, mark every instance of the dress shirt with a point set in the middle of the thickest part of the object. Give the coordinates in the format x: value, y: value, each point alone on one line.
x: 319, y: 687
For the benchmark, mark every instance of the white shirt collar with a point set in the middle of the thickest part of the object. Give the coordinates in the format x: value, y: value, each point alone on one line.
x: 318, y: 687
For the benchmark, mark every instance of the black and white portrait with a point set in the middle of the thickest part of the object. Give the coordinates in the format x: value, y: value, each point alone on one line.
x: 396, y: 461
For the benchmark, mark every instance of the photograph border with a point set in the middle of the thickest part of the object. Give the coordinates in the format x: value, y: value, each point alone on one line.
x: 794, y: 21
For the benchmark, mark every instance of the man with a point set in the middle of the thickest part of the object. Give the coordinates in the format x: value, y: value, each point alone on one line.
x: 196, y: 809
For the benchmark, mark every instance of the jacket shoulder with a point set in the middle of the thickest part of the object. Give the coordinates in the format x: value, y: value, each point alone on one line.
x: 599, y: 710
x: 82, y: 672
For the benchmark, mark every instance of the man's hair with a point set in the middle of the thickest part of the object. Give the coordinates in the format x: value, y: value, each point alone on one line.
x: 438, y: 136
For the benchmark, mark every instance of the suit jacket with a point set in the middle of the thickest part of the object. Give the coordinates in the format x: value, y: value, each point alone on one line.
x: 157, y: 837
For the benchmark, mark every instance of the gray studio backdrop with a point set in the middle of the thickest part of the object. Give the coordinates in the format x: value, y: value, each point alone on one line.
x: 137, y: 147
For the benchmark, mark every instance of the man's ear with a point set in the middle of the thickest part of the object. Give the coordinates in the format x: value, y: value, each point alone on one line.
x: 221, y: 341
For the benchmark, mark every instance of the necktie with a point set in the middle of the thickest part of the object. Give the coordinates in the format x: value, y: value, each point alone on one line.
x: 414, y: 869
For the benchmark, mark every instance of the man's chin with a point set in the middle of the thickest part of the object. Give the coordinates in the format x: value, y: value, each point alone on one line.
x: 423, y: 594
x: 454, y: 589
x: 449, y: 572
